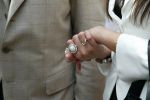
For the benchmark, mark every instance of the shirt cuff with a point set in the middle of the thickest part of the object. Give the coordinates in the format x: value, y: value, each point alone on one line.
x: 131, y: 57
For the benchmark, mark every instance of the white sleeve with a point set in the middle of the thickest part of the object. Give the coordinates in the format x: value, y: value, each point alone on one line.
x: 132, y: 57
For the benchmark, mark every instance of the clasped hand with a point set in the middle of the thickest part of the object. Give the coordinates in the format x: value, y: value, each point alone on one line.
x: 97, y: 42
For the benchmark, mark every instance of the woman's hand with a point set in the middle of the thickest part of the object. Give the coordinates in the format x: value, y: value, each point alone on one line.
x: 104, y: 36
x: 87, y: 48
x: 96, y: 42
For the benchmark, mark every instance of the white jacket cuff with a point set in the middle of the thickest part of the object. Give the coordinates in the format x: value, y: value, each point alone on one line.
x: 132, y: 57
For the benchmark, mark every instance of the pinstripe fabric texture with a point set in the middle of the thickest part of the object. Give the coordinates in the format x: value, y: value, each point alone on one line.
x: 33, y: 44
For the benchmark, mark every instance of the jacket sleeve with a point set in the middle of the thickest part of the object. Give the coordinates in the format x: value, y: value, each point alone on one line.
x: 132, y: 57
x: 86, y: 14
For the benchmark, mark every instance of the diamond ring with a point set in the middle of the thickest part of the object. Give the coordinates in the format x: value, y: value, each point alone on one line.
x: 72, y: 48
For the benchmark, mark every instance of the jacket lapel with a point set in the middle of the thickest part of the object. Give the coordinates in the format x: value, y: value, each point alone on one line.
x: 126, y: 9
x: 14, y: 5
x: 111, y: 10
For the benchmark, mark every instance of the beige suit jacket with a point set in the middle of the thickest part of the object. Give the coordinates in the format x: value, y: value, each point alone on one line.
x: 2, y: 24
x: 33, y: 42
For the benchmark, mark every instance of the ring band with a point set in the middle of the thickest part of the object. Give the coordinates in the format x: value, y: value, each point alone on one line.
x: 84, y: 43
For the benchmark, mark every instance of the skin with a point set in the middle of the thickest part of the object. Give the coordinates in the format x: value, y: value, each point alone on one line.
x: 100, y: 42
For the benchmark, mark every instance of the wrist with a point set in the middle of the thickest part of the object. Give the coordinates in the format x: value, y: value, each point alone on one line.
x: 102, y: 35
x: 110, y: 39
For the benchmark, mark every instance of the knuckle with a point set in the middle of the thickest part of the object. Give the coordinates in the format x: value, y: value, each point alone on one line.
x: 81, y: 33
x: 89, y: 38
x: 74, y: 37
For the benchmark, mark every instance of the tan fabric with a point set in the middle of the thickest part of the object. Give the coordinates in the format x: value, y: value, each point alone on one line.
x: 1, y: 28
x: 90, y: 83
x: 2, y: 25
x: 32, y: 47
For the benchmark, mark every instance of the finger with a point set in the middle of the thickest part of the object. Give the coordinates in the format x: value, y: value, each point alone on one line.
x: 86, y: 47
x: 70, y: 41
x: 69, y: 57
x: 83, y: 51
x: 77, y: 42
x: 90, y: 40
x: 82, y: 38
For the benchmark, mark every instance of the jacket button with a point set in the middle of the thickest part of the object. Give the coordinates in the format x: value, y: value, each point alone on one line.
x: 6, y: 50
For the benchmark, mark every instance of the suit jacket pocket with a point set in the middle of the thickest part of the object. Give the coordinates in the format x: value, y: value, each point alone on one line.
x: 60, y: 80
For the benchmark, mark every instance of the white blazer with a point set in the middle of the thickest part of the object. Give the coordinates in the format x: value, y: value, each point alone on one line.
x: 130, y: 62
